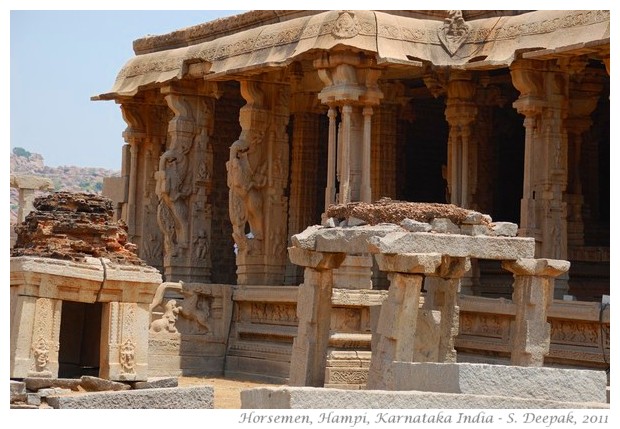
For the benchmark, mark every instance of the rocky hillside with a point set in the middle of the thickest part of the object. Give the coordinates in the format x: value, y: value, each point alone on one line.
x: 64, y: 178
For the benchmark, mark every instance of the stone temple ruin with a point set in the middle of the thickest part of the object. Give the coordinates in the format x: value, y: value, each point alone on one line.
x: 264, y: 224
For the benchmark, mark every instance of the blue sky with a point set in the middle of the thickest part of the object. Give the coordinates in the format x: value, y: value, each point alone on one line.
x: 59, y: 59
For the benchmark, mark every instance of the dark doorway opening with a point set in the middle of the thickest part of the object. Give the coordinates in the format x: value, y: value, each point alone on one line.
x: 80, y: 335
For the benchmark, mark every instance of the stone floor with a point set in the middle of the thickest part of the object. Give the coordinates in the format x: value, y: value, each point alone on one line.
x: 227, y: 391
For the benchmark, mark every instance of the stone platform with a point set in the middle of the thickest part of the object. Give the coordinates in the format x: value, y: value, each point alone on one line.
x: 553, y: 384
x: 322, y: 398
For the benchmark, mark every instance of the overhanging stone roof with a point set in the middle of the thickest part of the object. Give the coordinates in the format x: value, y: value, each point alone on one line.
x: 393, y: 39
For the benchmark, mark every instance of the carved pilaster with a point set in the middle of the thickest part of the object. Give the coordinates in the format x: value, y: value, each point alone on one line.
x: 183, y: 186
x: 258, y: 169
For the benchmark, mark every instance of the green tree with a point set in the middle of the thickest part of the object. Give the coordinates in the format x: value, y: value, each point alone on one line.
x: 20, y: 151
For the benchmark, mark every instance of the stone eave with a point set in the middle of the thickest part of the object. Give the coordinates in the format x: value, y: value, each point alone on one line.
x: 394, y: 39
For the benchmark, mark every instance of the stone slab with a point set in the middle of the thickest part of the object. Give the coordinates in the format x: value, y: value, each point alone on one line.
x: 554, y: 384
x: 156, y: 383
x: 479, y: 246
x: 96, y: 384
x: 321, y: 398
x: 197, y: 397
x: 353, y: 240
x: 36, y: 383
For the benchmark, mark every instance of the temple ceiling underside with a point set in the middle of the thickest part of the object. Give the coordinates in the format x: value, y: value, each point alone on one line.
x: 400, y: 45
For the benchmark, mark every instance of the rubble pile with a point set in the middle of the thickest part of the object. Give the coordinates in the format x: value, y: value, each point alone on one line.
x: 387, y: 210
x: 71, y: 226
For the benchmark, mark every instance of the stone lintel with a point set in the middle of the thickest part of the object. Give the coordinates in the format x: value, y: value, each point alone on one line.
x: 358, y: 297
x: 316, y: 260
x: 86, y: 281
x: 57, y: 279
x: 31, y: 182
x: 129, y: 283
x: 409, y: 263
x: 537, y: 267
x: 456, y: 245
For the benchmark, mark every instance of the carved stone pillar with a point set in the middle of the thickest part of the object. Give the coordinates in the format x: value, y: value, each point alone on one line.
x: 183, y: 185
x: 460, y: 113
x: 385, y: 144
x: 314, y: 304
x: 396, y: 329
x: 585, y: 87
x: 305, y: 150
x: 258, y: 170
x: 134, y: 135
x: 543, y: 101
x: 330, y: 189
x: 442, y: 291
x: 351, y: 84
x: 533, y: 295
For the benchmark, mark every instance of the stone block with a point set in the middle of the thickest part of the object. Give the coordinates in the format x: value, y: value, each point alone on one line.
x: 44, y: 393
x: 552, y: 384
x: 475, y: 230
x: 33, y: 399
x: 353, y: 221
x: 96, y: 384
x: 476, y: 218
x: 330, y: 222
x: 321, y: 398
x: 444, y: 226
x: 481, y: 246
x: 156, y: 383
x: 351, y: 240
x: 36, y: 383
x: 197, y: 397
x: 505, y: 229
x: 307, y: 238
x: 18, y: 391
x: 415, y: 226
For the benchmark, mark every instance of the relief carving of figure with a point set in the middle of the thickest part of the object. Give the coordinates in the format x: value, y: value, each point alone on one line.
x: 173, y: 189
x: 246, y: 198
x: 127, y: 356
x: 197, y: 306
x: 41, y: 353
x: 168, y: 320
x: 201, y: 245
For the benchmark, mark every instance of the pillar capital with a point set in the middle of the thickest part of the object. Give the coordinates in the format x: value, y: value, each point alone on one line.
x: 537, y: 267
x: 317, y: 260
